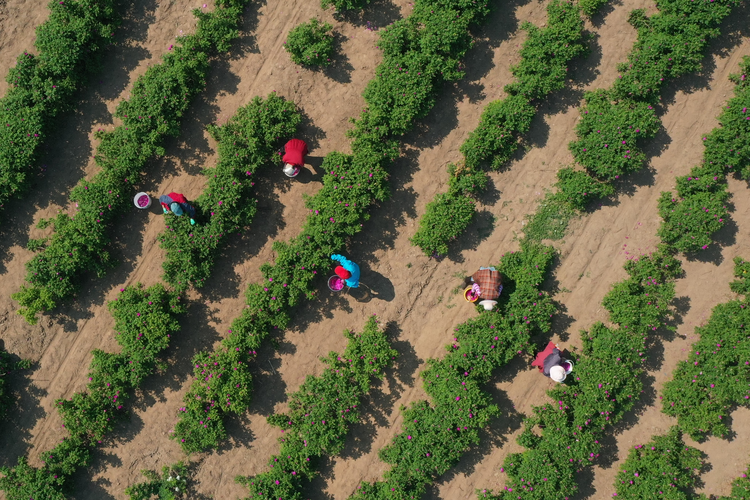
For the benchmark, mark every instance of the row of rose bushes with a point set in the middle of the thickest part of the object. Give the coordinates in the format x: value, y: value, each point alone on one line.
x: 70, y: 46
x: 698, y: 211
x: 145, y: 319
x: 248, y: 141
x: 419, y: 54
x: 545, y: 56
x: 435, y: 434
x: 7, y: 365
x: 154, y: 112
x: 320, y: 414
x: 716, y: 376
x: 562, y: 436
x: 615, y: 122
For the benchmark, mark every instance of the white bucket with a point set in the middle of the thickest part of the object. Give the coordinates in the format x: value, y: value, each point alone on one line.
x: 138, y: 197
x: 569, y: 367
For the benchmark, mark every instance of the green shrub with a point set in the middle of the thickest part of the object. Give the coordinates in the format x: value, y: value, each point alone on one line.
x: 578, y: 189
x: 311, y: 43
x: 591, y: 7
x: 70, y: 45
x: 171, y: 484
x: 664, y: 465
x: 159, y: 100
x: 608, y: 134
x: 547, y: 51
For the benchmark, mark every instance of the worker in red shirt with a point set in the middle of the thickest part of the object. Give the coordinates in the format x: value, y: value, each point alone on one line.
x: 177, y: 204
x: 294, y: 157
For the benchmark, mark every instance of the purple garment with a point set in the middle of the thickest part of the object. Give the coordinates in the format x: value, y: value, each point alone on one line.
x: 553, y: 359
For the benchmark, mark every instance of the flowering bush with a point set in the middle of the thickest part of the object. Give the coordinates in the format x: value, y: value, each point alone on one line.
x: 608, y: 134
x: 144, y: 321
x: 577, y: 189
x: 691, y: 218
x: 42, y: 87
x: 247, y: 142
x: 716, y: 376
x: 171, y: 484
x: 449, y: 213
x: 159, y: 99
x: 664, y: 465
x: 311, y: 43
x: 320, y: 414
x: 436, y: 434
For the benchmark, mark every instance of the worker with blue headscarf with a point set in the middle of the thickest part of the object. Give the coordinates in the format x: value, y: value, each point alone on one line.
x: 353, y: 280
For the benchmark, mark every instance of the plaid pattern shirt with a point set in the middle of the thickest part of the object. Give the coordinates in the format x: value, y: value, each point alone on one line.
x: 489, y: 283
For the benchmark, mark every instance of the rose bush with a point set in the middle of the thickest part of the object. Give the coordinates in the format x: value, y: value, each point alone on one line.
x: 159, y: 99
x: 311, y: 43
x: 248, y: 141
x: 545, y: 56
x: 70, y: 45
x: 664, y: 465
x: 321, y: 412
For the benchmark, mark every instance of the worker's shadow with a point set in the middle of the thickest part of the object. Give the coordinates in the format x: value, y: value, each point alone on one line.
x: 374, y: 286
x: 312, y: 171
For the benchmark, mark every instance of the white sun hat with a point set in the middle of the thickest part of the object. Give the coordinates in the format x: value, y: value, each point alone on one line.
x: 557, y: 373
x: 488, y: 304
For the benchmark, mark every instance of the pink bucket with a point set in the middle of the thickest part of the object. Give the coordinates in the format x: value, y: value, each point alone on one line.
x: 335, y: 284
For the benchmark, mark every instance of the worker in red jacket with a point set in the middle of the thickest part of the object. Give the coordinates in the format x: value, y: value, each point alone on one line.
x: 177, y: 204
x: 294, y: 157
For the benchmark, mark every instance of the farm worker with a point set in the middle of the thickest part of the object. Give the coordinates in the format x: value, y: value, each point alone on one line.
x: 178, y: 205
x: 490, y: 286
x: 550, y: 363
x: 348, y: 266
x: 294, y: 156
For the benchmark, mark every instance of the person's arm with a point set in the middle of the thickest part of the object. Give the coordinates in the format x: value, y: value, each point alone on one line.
x: 340, y: 259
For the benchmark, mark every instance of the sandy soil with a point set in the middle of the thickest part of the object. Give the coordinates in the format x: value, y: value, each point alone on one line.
x: 411, y: 294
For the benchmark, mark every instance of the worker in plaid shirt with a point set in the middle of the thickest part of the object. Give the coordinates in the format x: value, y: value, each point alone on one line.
x: 490, y: 286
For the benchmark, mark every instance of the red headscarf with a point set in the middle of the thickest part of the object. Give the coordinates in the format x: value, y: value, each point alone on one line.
x: 342, y: 273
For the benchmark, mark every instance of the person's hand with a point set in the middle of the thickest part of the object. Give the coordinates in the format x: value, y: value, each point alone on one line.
x: 165, y: 210
x: 557, y: 345
x: 192, y: 222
